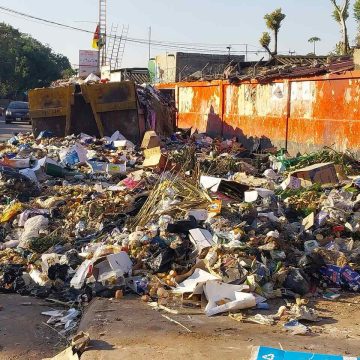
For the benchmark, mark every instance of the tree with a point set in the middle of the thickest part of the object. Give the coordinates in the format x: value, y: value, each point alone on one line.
x: 265, y: 42
x: 340, y: 15
x: 273, y: 22
x: 25, y: 63
x: 357, y: 18
x: 314, y: 40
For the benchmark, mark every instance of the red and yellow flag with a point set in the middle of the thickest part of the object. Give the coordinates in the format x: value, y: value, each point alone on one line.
x: 96, y: 39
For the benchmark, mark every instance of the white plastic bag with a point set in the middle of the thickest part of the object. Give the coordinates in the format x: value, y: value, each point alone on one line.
x: 32, y: 228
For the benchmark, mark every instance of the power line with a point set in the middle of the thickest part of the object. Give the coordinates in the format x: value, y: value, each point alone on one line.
x: 200, y: 47
x: 41, y: 19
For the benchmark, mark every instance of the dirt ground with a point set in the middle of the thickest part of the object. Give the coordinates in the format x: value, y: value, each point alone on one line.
x: 130, y: 329
x: 23, y: 335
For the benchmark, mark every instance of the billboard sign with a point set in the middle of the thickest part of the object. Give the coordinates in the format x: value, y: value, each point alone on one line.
x: 88, y: 62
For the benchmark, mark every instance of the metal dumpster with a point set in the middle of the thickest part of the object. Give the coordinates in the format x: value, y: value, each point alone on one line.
x: 50, y: 109
x: 94, y: 109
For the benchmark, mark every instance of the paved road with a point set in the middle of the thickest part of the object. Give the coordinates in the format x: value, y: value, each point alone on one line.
x: 8, y: 130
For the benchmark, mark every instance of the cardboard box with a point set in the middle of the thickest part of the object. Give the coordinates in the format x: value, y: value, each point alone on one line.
x: 201, y: 238
x: 154, y: 158
x: 113, y: 266
x: 323, y: 173
x: 150, y: 140
x: 341, y: 172
x: 103, y: 167
x: 292, y: 183
x: 123, y: 144
x: 309, y: 221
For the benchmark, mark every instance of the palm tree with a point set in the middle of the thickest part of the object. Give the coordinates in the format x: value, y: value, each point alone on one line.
x: 265, y: 42
x: 340, y: 15
x: 357, y: 18
x: 273, y: 22
x: 314, y: 40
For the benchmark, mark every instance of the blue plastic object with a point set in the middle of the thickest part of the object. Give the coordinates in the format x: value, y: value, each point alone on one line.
x: 45, y: 134
x: 13, y: 141
x: 266, y: 353
x: 71, y: 158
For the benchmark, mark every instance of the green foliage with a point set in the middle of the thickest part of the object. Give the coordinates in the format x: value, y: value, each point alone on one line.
x: 357, y: 11
x: 68, y: 73
x: 336, y: 14
x: 265, y: 40
x: 274, y: 20
x: 313, y: 40
x: 340, y: 15
x: 26, y: 63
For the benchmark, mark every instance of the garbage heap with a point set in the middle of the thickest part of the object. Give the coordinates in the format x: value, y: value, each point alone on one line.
x: 182, y: 221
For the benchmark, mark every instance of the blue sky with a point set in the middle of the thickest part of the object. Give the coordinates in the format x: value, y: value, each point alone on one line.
x: 221, y: 22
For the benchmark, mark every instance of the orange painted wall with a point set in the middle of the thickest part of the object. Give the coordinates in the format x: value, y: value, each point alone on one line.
x: 305, y: 114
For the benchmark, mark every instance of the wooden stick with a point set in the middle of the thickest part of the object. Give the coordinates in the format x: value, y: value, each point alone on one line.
x: 177, y: 323
x: 64, y: 337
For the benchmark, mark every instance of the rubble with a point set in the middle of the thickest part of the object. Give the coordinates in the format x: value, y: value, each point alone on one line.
x: 212, y: 225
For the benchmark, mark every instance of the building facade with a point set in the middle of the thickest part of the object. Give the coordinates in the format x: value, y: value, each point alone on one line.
x: 179, y: 66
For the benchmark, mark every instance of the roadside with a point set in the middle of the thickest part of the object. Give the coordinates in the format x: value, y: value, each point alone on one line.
x: 23, y: 334
x: 8, y: 130
x: 130, y: 329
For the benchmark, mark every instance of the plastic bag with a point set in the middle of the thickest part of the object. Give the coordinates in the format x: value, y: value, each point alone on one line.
x: 297, y: 282
x: 32, y: 228
x: 77, y: 154
x: 161, y: 262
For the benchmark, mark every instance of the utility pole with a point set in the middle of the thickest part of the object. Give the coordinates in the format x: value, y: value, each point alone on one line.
x: 246, y: 52
x: 149, y: 42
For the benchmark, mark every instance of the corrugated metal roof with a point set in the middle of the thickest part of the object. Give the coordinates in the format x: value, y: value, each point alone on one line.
x: 138, y: 78
x: 138, y: 75
x: 301, y: 59
x: 296, y: 70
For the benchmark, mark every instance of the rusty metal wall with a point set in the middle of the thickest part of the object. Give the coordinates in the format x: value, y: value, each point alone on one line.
x: 302, y: 114
x: 327, y: 113
x: 200, y: 107
x: 253, y: 110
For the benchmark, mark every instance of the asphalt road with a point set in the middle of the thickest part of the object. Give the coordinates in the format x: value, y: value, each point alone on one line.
x: 8, y: 130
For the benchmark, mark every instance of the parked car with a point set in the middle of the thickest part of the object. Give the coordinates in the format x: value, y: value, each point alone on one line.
x: 17, y: 111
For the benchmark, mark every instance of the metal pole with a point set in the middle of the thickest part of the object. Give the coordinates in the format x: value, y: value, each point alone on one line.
x: 246, y: 52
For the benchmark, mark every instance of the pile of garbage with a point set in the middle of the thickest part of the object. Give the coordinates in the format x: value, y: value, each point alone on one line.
x: 182, y: 221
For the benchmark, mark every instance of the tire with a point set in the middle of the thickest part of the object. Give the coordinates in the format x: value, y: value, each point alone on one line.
x: 30, y: 122
x: 7, y: 121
